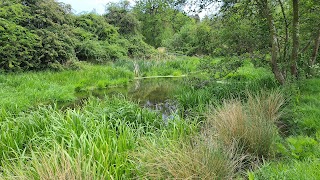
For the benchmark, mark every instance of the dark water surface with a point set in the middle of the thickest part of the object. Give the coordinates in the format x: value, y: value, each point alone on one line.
x: 155, y: 94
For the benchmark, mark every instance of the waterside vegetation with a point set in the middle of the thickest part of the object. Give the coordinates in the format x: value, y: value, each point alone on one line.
x: 152, y: 91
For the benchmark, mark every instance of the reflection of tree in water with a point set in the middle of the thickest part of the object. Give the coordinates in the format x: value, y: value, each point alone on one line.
x: 155, y: 95
x: 137, y: 85
x: 150, y: 93
x: 155, y: 91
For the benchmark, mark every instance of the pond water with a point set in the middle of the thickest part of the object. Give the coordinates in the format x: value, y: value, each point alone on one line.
x: 154, y: 94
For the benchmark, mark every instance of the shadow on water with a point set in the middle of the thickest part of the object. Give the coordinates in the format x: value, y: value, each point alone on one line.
x: 155, y: 94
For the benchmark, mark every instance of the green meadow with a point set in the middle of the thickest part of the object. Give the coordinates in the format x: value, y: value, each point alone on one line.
x: 192, y: 89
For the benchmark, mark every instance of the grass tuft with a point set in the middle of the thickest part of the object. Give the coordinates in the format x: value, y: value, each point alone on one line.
x: 178, y: 160
x: 251, y: 124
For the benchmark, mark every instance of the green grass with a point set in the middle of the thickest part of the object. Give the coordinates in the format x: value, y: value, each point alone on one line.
x: 22, y: 91
x: 248, y: 72
x: 295, y: 170
x: 100, y: 135
x: 115, y: 138
x: 300, y: 152
x: 234, y: 134
x: 184, y: 160
x: 306, y: 109
x: 176, y: 67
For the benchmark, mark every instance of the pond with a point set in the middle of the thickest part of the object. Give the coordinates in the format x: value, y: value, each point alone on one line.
x: 155, y: 94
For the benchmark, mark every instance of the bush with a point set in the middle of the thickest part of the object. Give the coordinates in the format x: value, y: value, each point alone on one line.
x: 98, y: 26
x: 99, y: 51
x: 18, y: 47
x: 55, y: 49
x: 247, y: 72
x: 15, y: 13
x: 138, y: 48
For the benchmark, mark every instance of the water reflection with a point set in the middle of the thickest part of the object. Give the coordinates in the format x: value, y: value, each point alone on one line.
x: 154, y: 94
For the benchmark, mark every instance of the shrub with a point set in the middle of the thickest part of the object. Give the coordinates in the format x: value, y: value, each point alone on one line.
x: 121, y: 16
x: 56, y: 48
x: 99, y: 51
x: 98, y: 26
x: 16, y: 13
x: 17, y: 47
x: 248, y: 72
x: 138, y: 48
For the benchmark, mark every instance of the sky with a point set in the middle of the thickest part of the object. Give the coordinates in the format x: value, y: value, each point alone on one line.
x: 88, y: 5
x: 79, y: 6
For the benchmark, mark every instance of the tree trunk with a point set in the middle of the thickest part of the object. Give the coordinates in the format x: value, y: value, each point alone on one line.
x: 315, y: 49
x: 274, y: 42
x: 286, y: 26
x: 295, y: 38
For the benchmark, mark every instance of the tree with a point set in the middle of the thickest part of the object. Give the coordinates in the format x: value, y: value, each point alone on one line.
x: 277, y: 15
x: 264, y: 7
x: 295, y: 38
x: 120, y: 15
x: 310, y: 26
x: 160, y: 19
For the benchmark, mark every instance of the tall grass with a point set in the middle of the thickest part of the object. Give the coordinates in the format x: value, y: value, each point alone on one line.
x: 53, y: 164
x: 21, y: 91
x: 196, y: 94
x: 104, y: 131
x: 185, y: 160
x: 251, y: 124
x: 233, y: 134
x: 299, y: 153
x: 114, y: 138
x: 89, y: 142
x: 163, y: 67
x: 305, y: 108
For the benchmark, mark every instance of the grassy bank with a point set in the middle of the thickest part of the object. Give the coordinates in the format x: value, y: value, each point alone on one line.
x: 24, y: 90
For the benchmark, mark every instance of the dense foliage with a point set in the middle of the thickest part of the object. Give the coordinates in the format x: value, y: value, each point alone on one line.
x: 46, y: 34
x: 42, y: 34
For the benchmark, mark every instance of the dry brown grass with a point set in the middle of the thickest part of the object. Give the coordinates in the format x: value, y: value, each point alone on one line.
x: 186, y: 161
x: 251, y: 124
